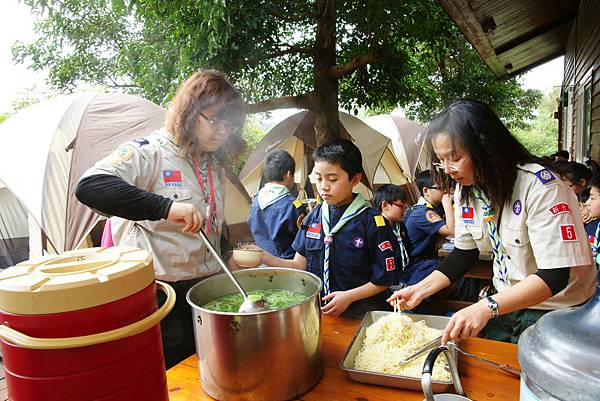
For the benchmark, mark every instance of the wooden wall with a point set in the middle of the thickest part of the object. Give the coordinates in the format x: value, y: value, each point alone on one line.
x: 583, y: 54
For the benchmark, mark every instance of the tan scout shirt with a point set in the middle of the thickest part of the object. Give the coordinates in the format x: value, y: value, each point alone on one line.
x: 176, y: 255
x: 539, y: 229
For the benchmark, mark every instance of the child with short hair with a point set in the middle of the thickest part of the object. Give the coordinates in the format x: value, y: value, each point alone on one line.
x: 275, y: 212
x: 344, y: 241
x: 426, y: 228
x: 593, y: 228
x: 391, y: 201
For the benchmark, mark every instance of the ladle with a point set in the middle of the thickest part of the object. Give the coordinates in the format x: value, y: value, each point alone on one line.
x: 248, y: 306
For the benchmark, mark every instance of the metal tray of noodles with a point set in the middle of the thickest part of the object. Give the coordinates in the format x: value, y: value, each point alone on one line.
x: 385, y: 379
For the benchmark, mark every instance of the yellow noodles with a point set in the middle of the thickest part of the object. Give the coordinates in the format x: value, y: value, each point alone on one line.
x: 393, y: 338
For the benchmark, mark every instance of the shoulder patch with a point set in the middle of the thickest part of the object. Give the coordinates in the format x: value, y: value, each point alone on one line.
x: 545, y: 176
x: 432, y: 216
x: 379, y: 220
x: 141, y: 141
x: 122, y: 154
x: 297, y: 203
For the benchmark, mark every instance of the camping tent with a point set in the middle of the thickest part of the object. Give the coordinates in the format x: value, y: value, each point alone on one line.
x: 407, y: 139
x: 45, y: 148
x: 14, y: 229
x: 296, y: 135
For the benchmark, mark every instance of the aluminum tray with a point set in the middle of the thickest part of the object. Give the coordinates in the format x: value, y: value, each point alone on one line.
x: 383, y: 379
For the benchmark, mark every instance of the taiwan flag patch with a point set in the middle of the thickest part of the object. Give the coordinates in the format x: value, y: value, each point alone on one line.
x: 390, y: 264
x: 314, y: 231
x: 172, y: 178
x: 468, y: 215
x: 467, y: 212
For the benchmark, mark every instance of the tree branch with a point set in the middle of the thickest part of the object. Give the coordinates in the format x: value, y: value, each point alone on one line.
x: 292, y: 18
x: 302, y: 101
x: 357, y: 63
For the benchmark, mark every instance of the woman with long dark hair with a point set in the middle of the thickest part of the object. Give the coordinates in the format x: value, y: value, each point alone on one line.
x: 161, y: 189
x: 509, y: 204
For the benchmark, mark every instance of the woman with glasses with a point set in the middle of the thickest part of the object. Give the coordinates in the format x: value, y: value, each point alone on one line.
x: 513, y: 206
x: 163, y: 188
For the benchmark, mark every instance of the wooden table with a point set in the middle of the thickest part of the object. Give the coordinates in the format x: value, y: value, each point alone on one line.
x: 480, y: 381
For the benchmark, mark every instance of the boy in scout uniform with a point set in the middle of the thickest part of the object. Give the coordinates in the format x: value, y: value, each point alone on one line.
x: 343, y: 240
x: 275, y: 213
x: 427, y: 228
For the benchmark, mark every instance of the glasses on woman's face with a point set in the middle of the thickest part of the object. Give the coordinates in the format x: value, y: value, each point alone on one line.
x: 222, y: 126
x: 454, y: 167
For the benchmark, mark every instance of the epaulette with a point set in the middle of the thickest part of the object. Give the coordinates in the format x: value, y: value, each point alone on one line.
x: 544, y: 175
x: 141, y: 141
x: 379, y: 220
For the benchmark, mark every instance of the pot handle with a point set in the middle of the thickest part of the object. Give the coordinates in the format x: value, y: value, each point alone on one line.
x: 428, y: 369
x: 16, y: 337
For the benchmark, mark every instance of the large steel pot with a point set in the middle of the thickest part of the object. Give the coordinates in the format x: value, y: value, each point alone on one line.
x: 272, y: 355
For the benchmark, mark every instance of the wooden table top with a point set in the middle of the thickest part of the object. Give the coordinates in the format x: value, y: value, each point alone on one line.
x: 480, y: 381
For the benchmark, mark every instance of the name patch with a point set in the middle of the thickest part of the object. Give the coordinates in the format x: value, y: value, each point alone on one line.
x: 385, y: 245
x: 560, y: 208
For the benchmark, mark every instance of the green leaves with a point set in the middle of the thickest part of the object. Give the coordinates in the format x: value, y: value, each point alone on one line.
x: 148, y: 47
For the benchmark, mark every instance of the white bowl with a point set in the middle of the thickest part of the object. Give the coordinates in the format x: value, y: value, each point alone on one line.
x: 247, y: 257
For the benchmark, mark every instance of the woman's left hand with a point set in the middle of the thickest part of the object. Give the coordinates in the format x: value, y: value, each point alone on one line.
x: 467, y: 322
x: 337, y: 303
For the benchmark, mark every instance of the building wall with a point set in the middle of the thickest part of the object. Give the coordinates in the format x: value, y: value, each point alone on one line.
x: 582, y: 62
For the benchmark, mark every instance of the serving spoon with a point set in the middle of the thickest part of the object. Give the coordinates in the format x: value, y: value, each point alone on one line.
x: 248, y: 306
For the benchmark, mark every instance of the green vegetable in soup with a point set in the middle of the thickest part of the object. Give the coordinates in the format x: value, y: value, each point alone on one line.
x: 276, y: 298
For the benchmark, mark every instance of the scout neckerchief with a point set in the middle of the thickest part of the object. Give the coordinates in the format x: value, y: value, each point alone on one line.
x: 403, y: 252
x: 270, y: 194
x: 204, y: 177
x: 490, y: 220
x: 355, y: 208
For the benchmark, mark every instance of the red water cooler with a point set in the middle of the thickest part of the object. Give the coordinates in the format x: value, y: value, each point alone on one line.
x: 83, y: 325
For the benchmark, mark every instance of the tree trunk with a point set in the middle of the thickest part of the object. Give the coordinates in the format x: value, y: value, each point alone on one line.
x: 325, y: 106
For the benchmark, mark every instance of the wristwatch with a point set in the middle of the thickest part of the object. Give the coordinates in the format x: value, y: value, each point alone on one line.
x: 493, y: 305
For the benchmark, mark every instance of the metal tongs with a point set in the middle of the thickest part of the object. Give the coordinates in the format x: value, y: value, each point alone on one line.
x: 423, y: 348
x: 505, y: 367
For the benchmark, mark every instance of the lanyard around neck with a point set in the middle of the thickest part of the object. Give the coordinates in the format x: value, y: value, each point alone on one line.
x: 209, y: 197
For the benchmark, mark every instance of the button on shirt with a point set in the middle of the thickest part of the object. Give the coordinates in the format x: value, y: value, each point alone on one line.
x: 540, y: 228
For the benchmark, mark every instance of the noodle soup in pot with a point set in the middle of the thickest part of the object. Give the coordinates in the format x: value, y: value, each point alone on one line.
x: 267, y: 355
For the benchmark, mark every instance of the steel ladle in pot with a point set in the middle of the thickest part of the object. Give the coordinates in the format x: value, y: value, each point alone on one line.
x: 248, y: 306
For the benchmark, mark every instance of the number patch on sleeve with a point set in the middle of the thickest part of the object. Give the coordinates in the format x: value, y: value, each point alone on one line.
x: 567, y: 232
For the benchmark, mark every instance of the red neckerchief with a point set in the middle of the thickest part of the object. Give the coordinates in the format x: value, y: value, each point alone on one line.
x: 209, y: 198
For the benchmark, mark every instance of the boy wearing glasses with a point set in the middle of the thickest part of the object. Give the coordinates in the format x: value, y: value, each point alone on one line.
x: 275, y: 212
x: 426, y: 226
x: 343, y: 240
x: 391, y: 200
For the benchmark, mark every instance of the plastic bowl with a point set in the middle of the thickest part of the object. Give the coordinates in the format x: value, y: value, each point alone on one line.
x: 247, y: 257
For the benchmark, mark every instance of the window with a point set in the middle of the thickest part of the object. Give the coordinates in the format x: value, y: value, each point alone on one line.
x: 584, y: 113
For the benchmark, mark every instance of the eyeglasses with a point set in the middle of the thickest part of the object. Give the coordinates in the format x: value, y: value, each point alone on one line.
x: 220, y: 125
x: 400, y: 205
x: 448, y: 166
x: 438, y: 188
